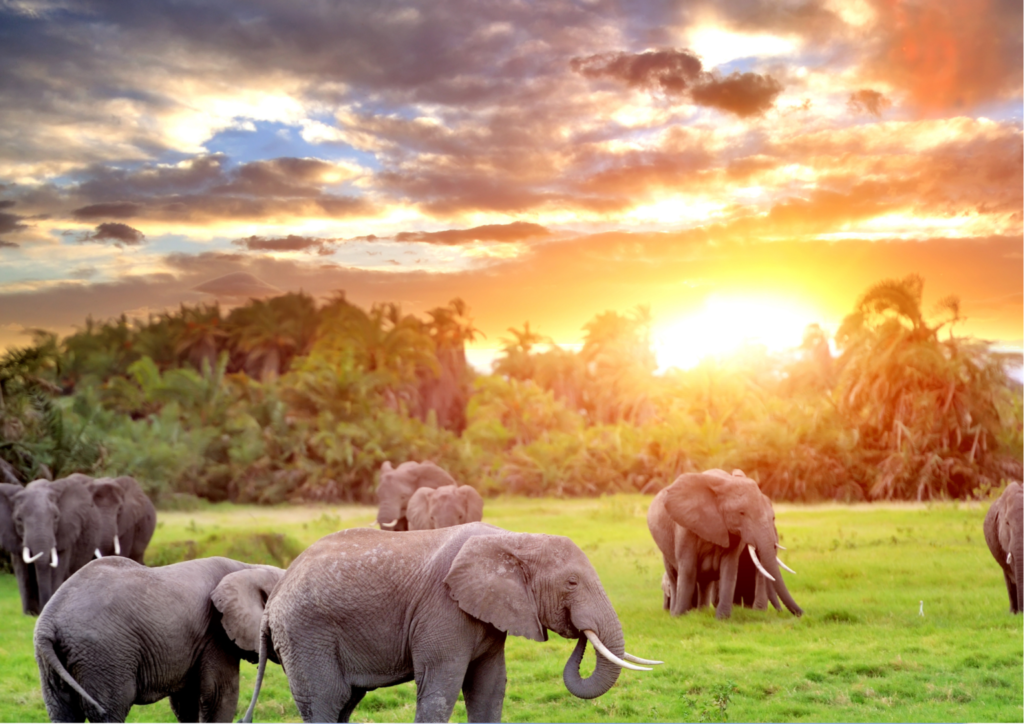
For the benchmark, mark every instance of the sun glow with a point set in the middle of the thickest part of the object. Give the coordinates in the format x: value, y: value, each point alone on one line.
x: 724, y: 325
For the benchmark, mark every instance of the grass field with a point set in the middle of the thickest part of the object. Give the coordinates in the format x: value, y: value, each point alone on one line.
x: 861, y: 652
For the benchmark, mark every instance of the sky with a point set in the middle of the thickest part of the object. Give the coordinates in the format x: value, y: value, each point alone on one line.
x: 742, y: 168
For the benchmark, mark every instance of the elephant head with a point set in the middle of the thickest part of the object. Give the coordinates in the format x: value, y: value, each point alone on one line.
x: 525, y: 583
x: 398, y: 484
x: 730, y: 511
x: 449, y: 505
x: 108, y: 497
x: 56, y: 524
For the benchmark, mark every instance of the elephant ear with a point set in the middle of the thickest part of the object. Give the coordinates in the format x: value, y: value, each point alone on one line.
x: 240, y: 597
x: 417, y: 512
x: 8, y: 535
x: 473, y: 502
x: 490, y: 581
x: 692, y: 502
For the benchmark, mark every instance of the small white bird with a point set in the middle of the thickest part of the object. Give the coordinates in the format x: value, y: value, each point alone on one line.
x: 920, y: 611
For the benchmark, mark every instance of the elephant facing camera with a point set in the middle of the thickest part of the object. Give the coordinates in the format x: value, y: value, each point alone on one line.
x: 716, y: 532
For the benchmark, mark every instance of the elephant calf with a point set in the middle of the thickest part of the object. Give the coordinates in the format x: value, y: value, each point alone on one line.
x: 431, y: 508
x: 118, y: 634
x: 1003, y: 526
x: 362, y: 609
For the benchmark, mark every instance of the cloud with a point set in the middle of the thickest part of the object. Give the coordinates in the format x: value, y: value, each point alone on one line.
x: 870, y: 101
x: 287, y: 243
x: 515, y: 231
x: 209, y: 188
x: 9, y: 223
x: 120, y: 234
x: 681, y: 74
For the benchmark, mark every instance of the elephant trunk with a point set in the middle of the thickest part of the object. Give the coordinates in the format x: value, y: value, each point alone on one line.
x: 771, y: 563
x: 605, y: 672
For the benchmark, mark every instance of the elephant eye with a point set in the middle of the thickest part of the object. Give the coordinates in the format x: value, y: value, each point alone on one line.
x: 572, y: 582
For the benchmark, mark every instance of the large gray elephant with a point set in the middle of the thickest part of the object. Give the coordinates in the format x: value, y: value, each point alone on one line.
x: 397, y: 485
x: 703, y: 524
x: 1003, y: 533
x: 119, y: 633
x: 362, y: 609
x: 56, y: 525
x: 127, y: 517
x: 431, y: 508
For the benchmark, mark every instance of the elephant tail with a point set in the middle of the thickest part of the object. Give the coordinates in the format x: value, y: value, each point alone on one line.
x: 260, y: 669
x: 46, y: 653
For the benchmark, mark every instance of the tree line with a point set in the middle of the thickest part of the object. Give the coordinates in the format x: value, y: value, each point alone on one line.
x: 284, y: 399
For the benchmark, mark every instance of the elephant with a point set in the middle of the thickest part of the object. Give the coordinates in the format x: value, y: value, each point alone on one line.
x: 127, y: 517
x: 1003, y: 533
x: 703, y: 524
x: 56, y: 532
x: 398, y: 484
x: 119, y: 633
x: 362, y: 608
x: 442, y: 507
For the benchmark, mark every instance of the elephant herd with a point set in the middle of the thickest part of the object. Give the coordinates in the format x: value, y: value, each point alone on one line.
x: 430, y: 598
x: 52, y: 528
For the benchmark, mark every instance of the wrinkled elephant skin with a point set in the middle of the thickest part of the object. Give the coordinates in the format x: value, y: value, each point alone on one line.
x: 1003, y: 533
x: 453, y: 596
x: 118, y: 633
x: 432, y: 508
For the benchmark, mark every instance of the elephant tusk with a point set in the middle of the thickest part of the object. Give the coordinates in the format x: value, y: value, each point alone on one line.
x: 388, y: 526
x: 96, y: 553
x: 753, y: 555
x: 117, y: 546
x: 785, y: 566
x: 53, y: 557
x: 638, y: 660
x: 781, y: 548
x: 603, y: 650
x: 1009, y: 558
x: 25, y: 557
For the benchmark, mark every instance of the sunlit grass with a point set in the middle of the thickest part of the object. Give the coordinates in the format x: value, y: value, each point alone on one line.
x: 861, y: 652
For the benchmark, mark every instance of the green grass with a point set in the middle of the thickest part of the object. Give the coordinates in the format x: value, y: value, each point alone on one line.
x: 861, y: 652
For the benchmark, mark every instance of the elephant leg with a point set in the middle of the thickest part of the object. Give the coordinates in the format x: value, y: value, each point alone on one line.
x: 484, y: 687
x: 437, y: 689
x: 185, y: 704
x: 687, y: 568
x: 670, y: 584
x: 353, y: 701
x: 727, y: 582
x: 27, y: 586
x: 218, y: 685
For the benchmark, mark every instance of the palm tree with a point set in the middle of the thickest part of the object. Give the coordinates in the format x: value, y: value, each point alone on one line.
x: 928, y: 408
x: 270, y: 332
x: 517, y: 362
x: 200, y: 334
x: 446, y: 392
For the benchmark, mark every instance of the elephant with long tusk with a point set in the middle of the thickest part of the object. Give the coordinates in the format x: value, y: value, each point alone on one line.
x: 362, y: 609
x: 716, y: 532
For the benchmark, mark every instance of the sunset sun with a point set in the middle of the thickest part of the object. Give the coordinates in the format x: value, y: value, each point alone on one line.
x: 725, y: 324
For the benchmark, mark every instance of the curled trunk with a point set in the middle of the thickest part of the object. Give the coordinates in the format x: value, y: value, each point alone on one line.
x: 605, y: 672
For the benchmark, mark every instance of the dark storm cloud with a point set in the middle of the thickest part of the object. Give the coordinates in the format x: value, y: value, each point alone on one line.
x: 516, y: 231
x: 208, y: 188
x: 680, y: 73
x: 117, y: 233
x: 870, y: 101
x: 287, y: 243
